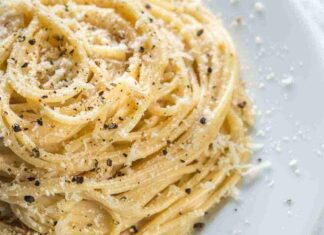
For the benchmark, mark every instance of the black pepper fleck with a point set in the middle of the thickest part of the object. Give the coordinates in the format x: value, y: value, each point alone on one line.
x: 111, y: 126
x: 119, y: 174
x: 200, y: 32
x: 109, y: 162
x: 32, y: 42
x: 39, y: 121
x: 35, y: 152
x: 141, y: 49
x: 133, y: 229
x: 78, y: 179
x: 165, y: 152
x: 16, y: 128
x: 24, y: 65
x: 203, y: 120
x: 199, y: 225
x: 37, y: 183
x: 242, y: 105
x: 29, y: 199
x: 188, y: 190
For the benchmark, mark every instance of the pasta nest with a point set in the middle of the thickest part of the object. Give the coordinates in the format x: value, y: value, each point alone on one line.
x: 117, y: 116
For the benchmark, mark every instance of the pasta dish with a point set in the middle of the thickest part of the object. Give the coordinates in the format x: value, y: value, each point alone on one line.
x: 117, y: 116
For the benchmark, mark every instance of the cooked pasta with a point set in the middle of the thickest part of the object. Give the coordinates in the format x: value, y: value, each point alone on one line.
x: 117, y: 116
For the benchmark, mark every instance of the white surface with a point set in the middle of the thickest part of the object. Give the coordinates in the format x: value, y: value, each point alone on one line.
x: 285, y: 74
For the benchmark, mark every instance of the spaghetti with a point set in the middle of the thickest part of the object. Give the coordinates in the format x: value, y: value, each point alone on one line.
x: 117, y: 116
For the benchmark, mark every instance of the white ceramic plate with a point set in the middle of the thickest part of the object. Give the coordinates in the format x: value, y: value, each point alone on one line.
x: 285, y: 75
